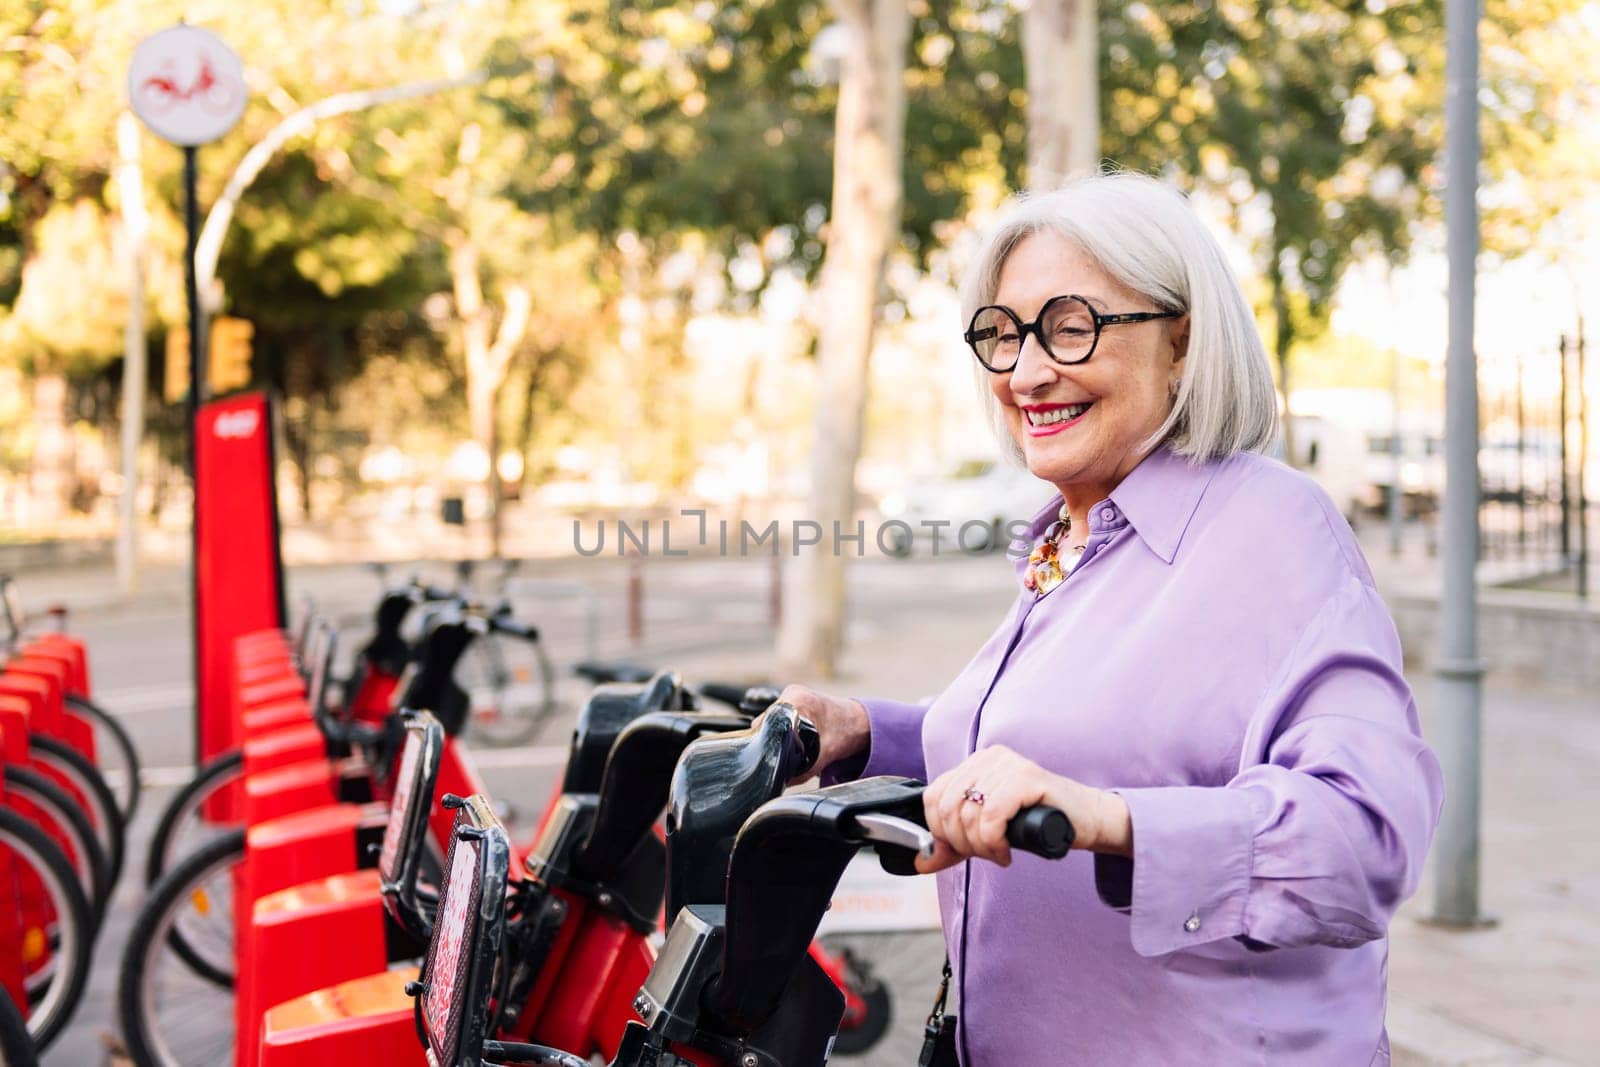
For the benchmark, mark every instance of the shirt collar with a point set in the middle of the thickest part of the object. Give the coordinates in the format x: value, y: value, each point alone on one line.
x: 1158, y: 498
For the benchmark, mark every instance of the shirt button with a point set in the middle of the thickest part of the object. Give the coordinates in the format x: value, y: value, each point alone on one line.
x: 1109, y: 514
x: 1192, y: 923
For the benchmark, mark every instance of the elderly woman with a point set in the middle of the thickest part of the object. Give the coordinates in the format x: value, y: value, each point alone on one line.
x: 1198, y: 671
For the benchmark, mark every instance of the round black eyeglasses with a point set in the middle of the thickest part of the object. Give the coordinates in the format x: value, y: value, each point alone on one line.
x: 1068, y: 329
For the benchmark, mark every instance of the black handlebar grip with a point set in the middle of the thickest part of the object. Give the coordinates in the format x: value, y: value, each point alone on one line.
x: 512, y: 628
x: 1041, y: 830
x: 759, y: 698
x: 810, y: 743
x: 600, y: 672
x: 722, y: 693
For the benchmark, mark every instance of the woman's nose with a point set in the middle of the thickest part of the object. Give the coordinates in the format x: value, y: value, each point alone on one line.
x: 1034, y: 370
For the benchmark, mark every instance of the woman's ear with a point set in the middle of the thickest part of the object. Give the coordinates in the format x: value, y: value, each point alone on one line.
x: 1178, y: 333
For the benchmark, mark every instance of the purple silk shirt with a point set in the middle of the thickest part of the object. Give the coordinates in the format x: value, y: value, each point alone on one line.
x: 1221, y: 659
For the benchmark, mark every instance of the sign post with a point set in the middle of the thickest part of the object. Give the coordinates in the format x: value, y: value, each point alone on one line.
x: 188, y: 88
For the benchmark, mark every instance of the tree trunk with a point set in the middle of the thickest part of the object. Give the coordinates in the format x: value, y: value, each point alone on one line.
x: 52, y: 465
x: 1061, y: 56
x: 862, y: 231
x: 1283, y: 337
x: 486, y: 361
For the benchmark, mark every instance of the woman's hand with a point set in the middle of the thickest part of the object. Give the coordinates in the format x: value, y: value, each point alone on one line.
x: 966, y: 826
x: 841, y: 725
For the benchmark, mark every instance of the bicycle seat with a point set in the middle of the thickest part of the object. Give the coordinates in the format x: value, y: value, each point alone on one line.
x: 601, y: 672
x: 719, y: 782
x: 432, y: 686
x: 607, y: 712
x: 637, y: 777
x: 388, y: 650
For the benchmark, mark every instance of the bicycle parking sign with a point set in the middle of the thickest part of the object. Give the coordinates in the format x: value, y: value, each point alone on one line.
x: 186, y: 85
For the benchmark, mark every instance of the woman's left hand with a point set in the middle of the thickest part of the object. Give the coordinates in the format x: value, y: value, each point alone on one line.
x: 969, y: 805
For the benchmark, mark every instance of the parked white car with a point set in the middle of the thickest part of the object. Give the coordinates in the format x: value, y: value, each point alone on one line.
x: 974, y: 502
x: 1421, y: 468
x: 1335, y: 456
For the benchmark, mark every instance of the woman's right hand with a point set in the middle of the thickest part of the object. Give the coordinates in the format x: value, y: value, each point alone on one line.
x: 841, y: 724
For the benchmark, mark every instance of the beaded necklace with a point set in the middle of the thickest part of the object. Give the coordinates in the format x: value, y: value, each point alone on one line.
x: 1044, y: 571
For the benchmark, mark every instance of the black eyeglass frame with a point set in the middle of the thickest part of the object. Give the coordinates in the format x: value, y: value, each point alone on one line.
x: 1101, y: 321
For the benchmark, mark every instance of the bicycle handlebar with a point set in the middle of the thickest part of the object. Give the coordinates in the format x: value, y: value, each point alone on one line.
x: 503, y: 623
x: 1041, y: 830
x: 600, y: 673
x: 749, y: 700
x: 788, y: 860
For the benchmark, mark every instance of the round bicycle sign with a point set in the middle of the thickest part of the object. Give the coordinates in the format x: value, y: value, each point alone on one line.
x: 186, y: 85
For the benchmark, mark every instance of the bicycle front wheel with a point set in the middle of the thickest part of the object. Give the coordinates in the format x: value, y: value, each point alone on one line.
x: 511, y: 686
x: 49, y: 807
x: 174, y: 1014
x: 63, y: 764
x: 41, y: 900
x: 895, y: 975
x: 181, y: 831
x: 16, y: 1047
x: 114, y: 753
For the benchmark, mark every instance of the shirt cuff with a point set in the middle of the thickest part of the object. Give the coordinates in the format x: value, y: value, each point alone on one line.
x: 1193, y: 855
x: 894, y: 744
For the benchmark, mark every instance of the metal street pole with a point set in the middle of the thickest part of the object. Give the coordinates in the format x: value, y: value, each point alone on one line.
x: 1583, y: 466
x: 1522, y: 483
x: 261, y: 153
x: 1566, y: 476
x: 1397, y: 454
x: 191, y: 289
x: 197, y: 378
x: 136, y: 229
x: 1459, y: 673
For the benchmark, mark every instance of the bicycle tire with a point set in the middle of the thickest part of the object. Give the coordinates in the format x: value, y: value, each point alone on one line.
x: 16, y: 1047
x: 899, y: 972
x: 52, y: 997
x: 88, y: 859
x: 67, y: 767
x: 129, y: 789
x: 152, y: 929
x: 185, y: 803
x: 517, y: 717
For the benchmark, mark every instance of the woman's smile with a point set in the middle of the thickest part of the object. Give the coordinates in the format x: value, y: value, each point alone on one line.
x: 1047, y: 419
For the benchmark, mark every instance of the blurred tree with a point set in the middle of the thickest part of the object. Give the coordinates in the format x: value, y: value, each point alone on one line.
x: 1059, y: 44
x: 863, y: 230
x: 1308, y: 117
x: 1317, y: 123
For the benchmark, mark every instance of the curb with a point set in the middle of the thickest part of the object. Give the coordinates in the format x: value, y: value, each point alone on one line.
x: 1420, y: 1036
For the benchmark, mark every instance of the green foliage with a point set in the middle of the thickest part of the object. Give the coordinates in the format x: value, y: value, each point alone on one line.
x: 698, y: 135
x: 71, y: 302
x: 1308, y: 117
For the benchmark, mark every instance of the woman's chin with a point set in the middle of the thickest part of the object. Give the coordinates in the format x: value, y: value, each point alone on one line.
x: 1054, y: 465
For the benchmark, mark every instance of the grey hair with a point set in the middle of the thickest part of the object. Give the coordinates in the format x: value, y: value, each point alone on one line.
x: 1145, y: 235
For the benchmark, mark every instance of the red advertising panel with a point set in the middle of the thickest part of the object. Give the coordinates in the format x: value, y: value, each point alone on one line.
x: 238, y: 570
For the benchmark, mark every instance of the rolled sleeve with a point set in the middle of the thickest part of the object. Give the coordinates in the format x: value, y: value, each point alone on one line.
x: 1321, y: 834
x: 1192, y: 865
x: 894, y: 745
